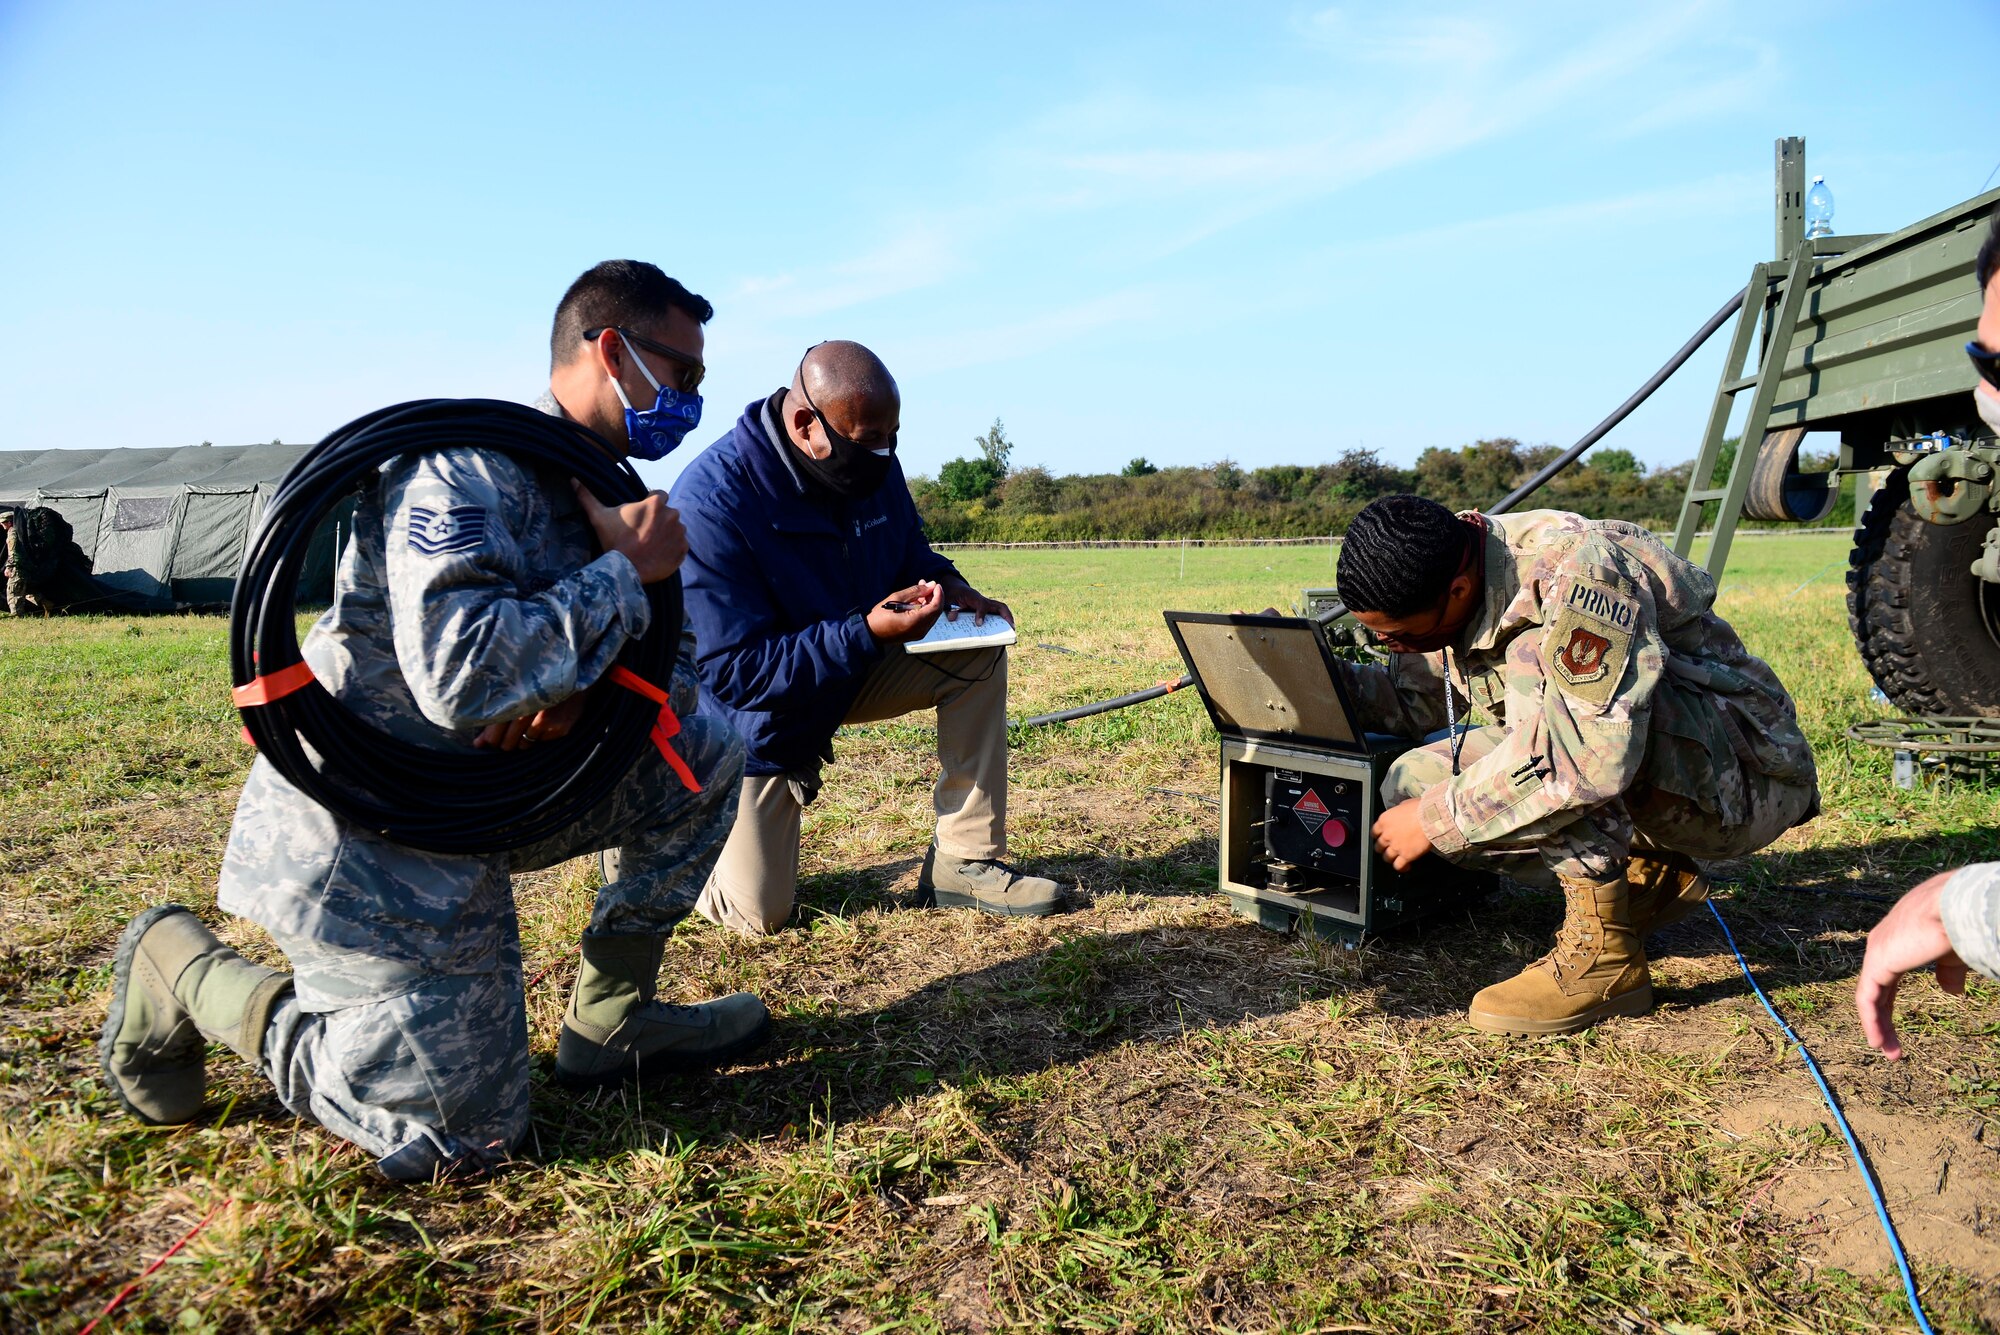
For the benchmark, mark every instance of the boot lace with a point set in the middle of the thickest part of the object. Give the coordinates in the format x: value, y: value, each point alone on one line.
x: 1576, y: 940
x: 672, y: 1013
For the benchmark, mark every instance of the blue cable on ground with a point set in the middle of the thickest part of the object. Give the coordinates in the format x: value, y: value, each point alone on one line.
x: 1853, y: 1145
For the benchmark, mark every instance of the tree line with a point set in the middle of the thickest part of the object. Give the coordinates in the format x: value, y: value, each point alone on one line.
x: 983, y: 498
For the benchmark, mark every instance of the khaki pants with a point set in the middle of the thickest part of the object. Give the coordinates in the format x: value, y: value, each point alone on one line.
x: 756, y: 880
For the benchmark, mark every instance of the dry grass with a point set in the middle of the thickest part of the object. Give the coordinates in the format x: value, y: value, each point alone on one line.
x: 1145, y: 1115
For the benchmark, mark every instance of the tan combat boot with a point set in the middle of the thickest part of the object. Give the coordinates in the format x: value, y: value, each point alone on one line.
x: 615, y: 1031
x: 1666, y: 887
x: 173, y: 985
x: 986, y: 884
x: 1596, y: 969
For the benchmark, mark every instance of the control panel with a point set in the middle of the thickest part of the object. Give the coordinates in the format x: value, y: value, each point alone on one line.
x: 1313, y: 823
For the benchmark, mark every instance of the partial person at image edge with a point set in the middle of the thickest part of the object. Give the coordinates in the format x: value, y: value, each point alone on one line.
x: 1951, y: 921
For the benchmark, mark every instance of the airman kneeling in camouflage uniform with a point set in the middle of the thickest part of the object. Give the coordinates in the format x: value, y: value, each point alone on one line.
x: 1631, y: 731
x: 469, y: 611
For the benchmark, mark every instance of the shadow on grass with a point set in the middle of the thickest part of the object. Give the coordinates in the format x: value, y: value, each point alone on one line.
x: 1184, y: 871
x: 1002, y: 1026
x: 993, y: 1031
x: 1888, y: 866
x: 992, y: 1027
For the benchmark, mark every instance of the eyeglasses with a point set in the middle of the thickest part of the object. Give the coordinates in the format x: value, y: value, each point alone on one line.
x: 1986, y: 362
x: 691, y: 368
x: 1409, y: 642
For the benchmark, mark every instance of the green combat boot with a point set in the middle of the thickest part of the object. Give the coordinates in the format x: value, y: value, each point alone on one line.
x: 1666, y: 887
x: 1597, y: 969
x: 615, y: 1031
x: 986, y: 884
x: 173, y: 986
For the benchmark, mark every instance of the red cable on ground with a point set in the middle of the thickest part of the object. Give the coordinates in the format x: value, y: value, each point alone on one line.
x: 165, y: 1256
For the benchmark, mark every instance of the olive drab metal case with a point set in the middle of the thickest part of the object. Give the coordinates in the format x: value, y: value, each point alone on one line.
x: 1300, y: 781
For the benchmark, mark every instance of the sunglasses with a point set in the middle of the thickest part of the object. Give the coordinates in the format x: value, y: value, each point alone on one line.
x: 691, y: 368
x: 1986, y: 362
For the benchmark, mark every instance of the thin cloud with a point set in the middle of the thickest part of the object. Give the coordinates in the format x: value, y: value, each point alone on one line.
x: 920, y: 256
x: 1036, y: 334
x: 1158, y: 175
x: 1429, y: 42
x: 1757, y: 68
x: 1722, y: 195
x: 1361, y: 133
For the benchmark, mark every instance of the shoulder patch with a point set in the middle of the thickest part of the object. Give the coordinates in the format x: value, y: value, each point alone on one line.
x: 1591, y: 640
x: 457, y: 528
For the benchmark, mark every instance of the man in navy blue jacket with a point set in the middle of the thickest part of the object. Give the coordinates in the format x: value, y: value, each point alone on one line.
x: 807, y: 572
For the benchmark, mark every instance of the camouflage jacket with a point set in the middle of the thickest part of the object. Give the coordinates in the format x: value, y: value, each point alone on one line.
x: 1970, y: 907
x: 1597, y: 649
x: 471, y: 592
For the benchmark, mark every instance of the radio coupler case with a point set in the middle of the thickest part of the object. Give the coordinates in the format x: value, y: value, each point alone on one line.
x: 1301, y: 783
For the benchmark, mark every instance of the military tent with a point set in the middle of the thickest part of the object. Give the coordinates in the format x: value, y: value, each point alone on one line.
x: 167, y: 525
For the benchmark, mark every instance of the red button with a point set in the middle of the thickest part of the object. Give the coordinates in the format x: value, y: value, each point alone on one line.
x: 1334, y: 832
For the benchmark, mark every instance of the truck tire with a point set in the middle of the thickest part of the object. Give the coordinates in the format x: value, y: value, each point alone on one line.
x: 1927, y: 629
x: 1778, y: 490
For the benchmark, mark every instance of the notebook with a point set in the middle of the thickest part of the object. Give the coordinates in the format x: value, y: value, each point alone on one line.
x: 946, y: 636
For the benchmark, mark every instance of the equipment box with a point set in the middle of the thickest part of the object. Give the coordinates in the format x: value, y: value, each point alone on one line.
x: 1297, y: 847
x: 1301, y: 783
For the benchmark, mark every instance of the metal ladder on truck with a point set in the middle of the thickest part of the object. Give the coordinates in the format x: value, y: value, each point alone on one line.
x: 1775, y: 298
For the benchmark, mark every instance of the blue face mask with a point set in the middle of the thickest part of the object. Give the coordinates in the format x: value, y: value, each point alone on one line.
x: 654, y: 432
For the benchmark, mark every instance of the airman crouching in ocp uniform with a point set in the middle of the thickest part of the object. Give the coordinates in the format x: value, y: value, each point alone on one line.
x: 470, y: 609
x: 1632, y: 734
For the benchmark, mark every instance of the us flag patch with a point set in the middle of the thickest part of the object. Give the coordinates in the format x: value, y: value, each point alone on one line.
x: 458, y: 528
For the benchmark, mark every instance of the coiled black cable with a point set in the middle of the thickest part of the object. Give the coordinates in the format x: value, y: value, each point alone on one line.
x: 442, y: 801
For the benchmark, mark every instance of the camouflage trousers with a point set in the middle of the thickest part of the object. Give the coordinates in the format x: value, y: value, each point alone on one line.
x: 407, y: 1031
x: 1594, y: 842
x: 18, y: 602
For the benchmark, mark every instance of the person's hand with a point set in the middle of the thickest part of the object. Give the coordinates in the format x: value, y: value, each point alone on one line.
x: 910, y: 617
x: 648, y: 532
x: 1399, y: 835
x: 1910, y: 936
x: 969, y: 599
x: 544, y: 725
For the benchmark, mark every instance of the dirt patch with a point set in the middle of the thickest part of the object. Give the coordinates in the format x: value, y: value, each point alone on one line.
x: 1941, y: 1181
x: 965, y: 1299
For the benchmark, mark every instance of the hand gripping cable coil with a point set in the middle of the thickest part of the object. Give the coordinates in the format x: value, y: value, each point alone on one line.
x: 441, y: 801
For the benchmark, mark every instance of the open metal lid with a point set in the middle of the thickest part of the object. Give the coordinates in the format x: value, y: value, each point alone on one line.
x: 1269, y: 678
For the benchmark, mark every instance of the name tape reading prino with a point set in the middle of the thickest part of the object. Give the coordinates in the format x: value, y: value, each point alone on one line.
x: 1595, y: 601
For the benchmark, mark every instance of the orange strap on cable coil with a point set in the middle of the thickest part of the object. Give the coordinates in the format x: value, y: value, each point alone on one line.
x: 665, y: 727
x: 272, y: 686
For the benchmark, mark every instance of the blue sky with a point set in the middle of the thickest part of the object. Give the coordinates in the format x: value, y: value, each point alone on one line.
x: 1188, y: 231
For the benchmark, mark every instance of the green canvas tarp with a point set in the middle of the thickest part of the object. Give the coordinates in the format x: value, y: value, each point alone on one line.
x: 168, y: 526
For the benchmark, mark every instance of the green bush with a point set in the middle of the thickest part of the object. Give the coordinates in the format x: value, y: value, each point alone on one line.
x: 976, y: 500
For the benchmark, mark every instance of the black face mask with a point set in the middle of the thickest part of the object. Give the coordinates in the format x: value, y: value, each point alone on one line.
x: 852, y: 470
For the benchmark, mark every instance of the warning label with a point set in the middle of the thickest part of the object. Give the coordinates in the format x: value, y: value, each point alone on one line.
x: 1312, y: 812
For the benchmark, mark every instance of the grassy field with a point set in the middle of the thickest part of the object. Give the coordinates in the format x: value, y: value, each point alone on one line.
x: 1144, y: 1115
